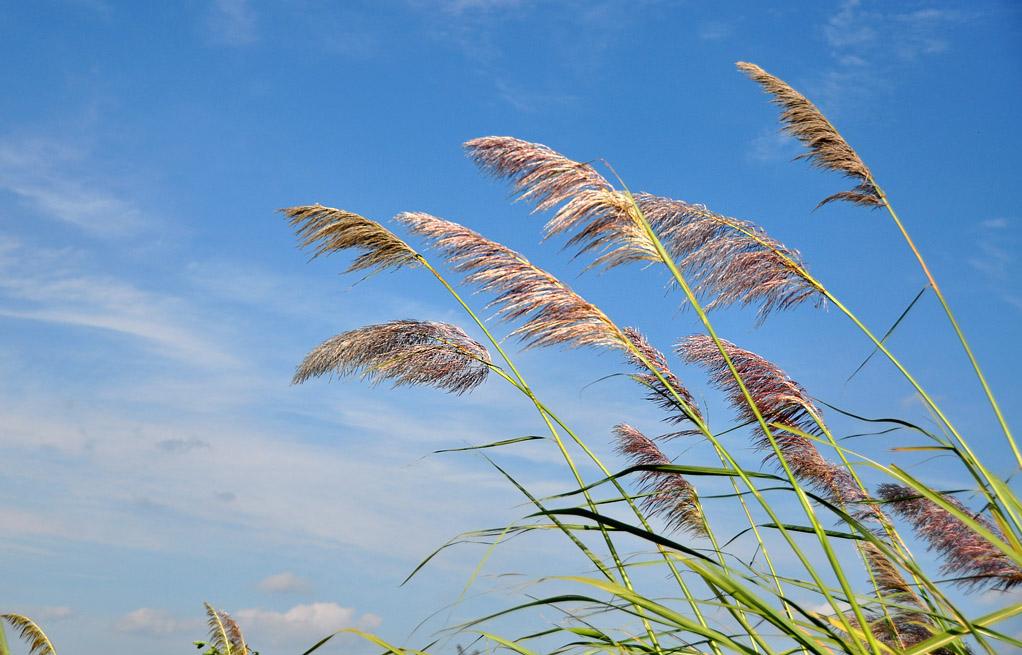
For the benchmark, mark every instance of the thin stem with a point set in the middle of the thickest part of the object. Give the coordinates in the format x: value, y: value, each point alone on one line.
x: 954, y: 322
x: 800, y: 494
x: 984, y: 479
x: 619, y: 565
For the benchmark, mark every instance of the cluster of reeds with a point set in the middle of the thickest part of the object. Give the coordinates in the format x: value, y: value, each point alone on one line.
x: 831, y: 528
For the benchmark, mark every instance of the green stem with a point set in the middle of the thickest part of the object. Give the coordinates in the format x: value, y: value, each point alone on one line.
x: 619, y: 565
x: 954, y: 323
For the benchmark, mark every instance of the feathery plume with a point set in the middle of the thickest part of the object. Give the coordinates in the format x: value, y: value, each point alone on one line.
x: 553, y: 313
x: 902, y: 627
x: 408, y: 352
x: 225, y: 633
x: 540, y: 175
x: 328, y: 230
x: 37, y: 641
x: 669, y: 494
x: 659, y: 393
x: 783, y: 401
x: 827, y: 149
x: 604, y: 219
x: 731, y: 261
x: 779, y: 400
x: 966, y: 554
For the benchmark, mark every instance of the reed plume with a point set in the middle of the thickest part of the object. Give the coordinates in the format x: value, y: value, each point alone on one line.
x: 967, y: 555
x: 668, y: 494
x: 731, y: 261
x: 784, y: 403
x: 327, y: 230
x: 659, y: 393
x: 440, y: 355
x: 37, y: 641
x: 827, y: 149
x: 553, y: 314
x: 540, y: 175
x: 224, y: 633
x: 780, y: 400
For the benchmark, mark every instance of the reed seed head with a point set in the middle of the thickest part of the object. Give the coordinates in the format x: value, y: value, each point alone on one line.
x: 440, y: 355
x: 728, y: 260
x: 33, y: 636
x: 779, y: 398
x: 670, y: 495
x: 974, y: 560
x: 659, y: 393
x: 540, y: 175
x: 327, y: 230
x: 225, y: 633
x: 553, y: 314
x: 731, y: 261
x: 827, y: 149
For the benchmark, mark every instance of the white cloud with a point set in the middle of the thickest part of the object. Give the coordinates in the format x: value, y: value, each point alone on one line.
x: 312, y: 620
x: 285, y: 583
x: 155, y: 622
x: 232, y: 22
x: 299, y: 625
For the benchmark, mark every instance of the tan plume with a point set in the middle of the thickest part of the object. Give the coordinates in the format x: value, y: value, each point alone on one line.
x: 827, y: 149
x: 439, y: 355
x: 327, y: 230
x: 225, y: 633
x: 552, y: 313
x: 37, y: 641
x: 669, y: 494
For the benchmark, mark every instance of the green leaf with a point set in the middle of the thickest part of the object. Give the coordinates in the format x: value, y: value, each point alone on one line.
x: 889, y: 332
x: 495, y: 444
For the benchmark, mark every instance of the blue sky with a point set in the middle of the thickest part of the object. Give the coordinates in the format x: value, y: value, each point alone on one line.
x: 153, y: 305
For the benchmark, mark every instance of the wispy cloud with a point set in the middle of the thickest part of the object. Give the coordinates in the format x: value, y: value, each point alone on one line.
x: 285, y: 583
x: 232, y: 23
x: 463, y: 6
x: 772, y: 146
x: 528, y: 100
x: 180, y: 445
x: 994, y: 250
x: 714, y: 30
x: 994, y: 256
x: 56, y: 181
x: 43, y: 284
x: 868, y: 42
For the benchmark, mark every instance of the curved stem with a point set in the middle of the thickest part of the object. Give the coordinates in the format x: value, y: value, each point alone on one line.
x: 954, y: 323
